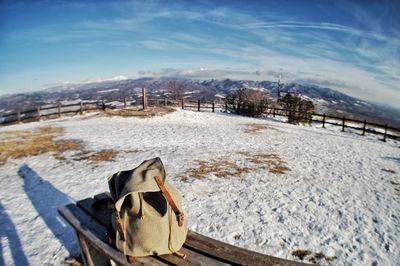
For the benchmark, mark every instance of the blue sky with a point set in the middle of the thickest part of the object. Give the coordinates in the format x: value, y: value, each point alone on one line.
x: 351, y: 46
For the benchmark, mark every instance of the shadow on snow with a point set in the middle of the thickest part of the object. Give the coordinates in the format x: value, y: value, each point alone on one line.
x: 8, y: 232
x: 47, y: 199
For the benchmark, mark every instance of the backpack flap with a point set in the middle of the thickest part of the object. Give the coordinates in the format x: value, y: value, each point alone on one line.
x: 139, y: 179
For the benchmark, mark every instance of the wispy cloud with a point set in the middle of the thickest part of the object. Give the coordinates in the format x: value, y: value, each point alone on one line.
x: 196, y: 73
x: 203, y: 40
x: 317, y: 26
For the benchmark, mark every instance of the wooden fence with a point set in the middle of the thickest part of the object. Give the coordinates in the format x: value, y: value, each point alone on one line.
x: 363, y: 126
x: 59, y: 110
x: 47, y: 111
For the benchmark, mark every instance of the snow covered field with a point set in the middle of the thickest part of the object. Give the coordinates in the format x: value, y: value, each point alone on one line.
x: 337, y: 193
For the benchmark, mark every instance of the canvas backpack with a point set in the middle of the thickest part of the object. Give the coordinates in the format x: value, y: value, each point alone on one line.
x: 148, y: 218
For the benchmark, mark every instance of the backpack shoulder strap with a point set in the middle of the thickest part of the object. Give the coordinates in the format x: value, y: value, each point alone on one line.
x: 179, y: 215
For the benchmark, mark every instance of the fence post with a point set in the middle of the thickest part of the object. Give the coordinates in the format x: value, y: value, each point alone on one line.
x: 198, y: 105
x: 364, y: 127
x: 273, y: 112
x: 144, y: 96
x: 19, y: 116
x: 226, y: 107
x: 323, y: 121
x: 183, y: 104
x: 125, y: 102
x: 343, y: 121
x: 384, y: 135
x: 81, y: 109
x: 103, y: 105
x: 165, y: 101
x: 59, y: 109
x: 38, y: 113
x: 213, y: 106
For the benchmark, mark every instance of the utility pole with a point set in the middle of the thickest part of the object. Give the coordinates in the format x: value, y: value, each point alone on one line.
x: 144, y: 98
x: 279, y: 87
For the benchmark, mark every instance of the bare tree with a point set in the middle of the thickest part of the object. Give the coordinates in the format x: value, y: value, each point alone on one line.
x: 176, y: 89
x: 247, y: 102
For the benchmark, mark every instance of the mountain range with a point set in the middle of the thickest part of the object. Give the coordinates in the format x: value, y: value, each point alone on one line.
x: 326, y: 100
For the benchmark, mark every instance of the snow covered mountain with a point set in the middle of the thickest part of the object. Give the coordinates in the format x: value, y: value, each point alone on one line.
x: 325, y: 99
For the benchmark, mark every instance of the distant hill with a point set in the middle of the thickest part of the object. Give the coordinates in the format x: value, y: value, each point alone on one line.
x: 326, y: 100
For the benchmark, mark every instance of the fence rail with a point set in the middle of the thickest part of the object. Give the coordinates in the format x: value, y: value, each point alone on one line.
x: 343, y: 122
x: 59, y: 110
x: 46, y: 111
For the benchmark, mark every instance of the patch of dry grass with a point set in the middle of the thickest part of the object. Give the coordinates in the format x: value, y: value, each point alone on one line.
x: 49, y: 130
x: 301, y: 253
x: 270, y: 161
x: 140, y: 113
x: 219, y: 168
x: 228, y: 168
x: 254, y: 128
x: 103, y: 155
x: 389, y: 170
x: 6, y: 135
x: 237, y: 236
x: 315, y: 258
x: 396, y: 186
x: 25, y: 143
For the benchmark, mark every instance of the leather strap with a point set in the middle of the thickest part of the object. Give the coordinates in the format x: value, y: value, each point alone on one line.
x: 120, y: 226
x: 179, y: 215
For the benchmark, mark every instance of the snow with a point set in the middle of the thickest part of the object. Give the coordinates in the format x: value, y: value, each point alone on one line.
x: 320, y: 101
x: 255, y: 88
x: 67, y: 102
x: 117, y: 78
x: 335, y: 199
x: 106, y: 91
x: 191, y: 92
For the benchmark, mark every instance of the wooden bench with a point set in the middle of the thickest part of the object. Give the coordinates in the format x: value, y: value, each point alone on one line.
x: 90, y: 224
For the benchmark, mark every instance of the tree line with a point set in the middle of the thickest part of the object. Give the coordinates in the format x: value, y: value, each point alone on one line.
x: 254, y: 103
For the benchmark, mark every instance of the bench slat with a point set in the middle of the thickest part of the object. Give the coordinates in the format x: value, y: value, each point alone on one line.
x: 101, y: 214
x: 193, y: 258
x: 201, y: 244
x: 103, y: 196
x: 231, y: 254
x: 96, y: 234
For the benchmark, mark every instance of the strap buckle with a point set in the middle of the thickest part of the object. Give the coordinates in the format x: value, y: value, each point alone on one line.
x: 181, y: 218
